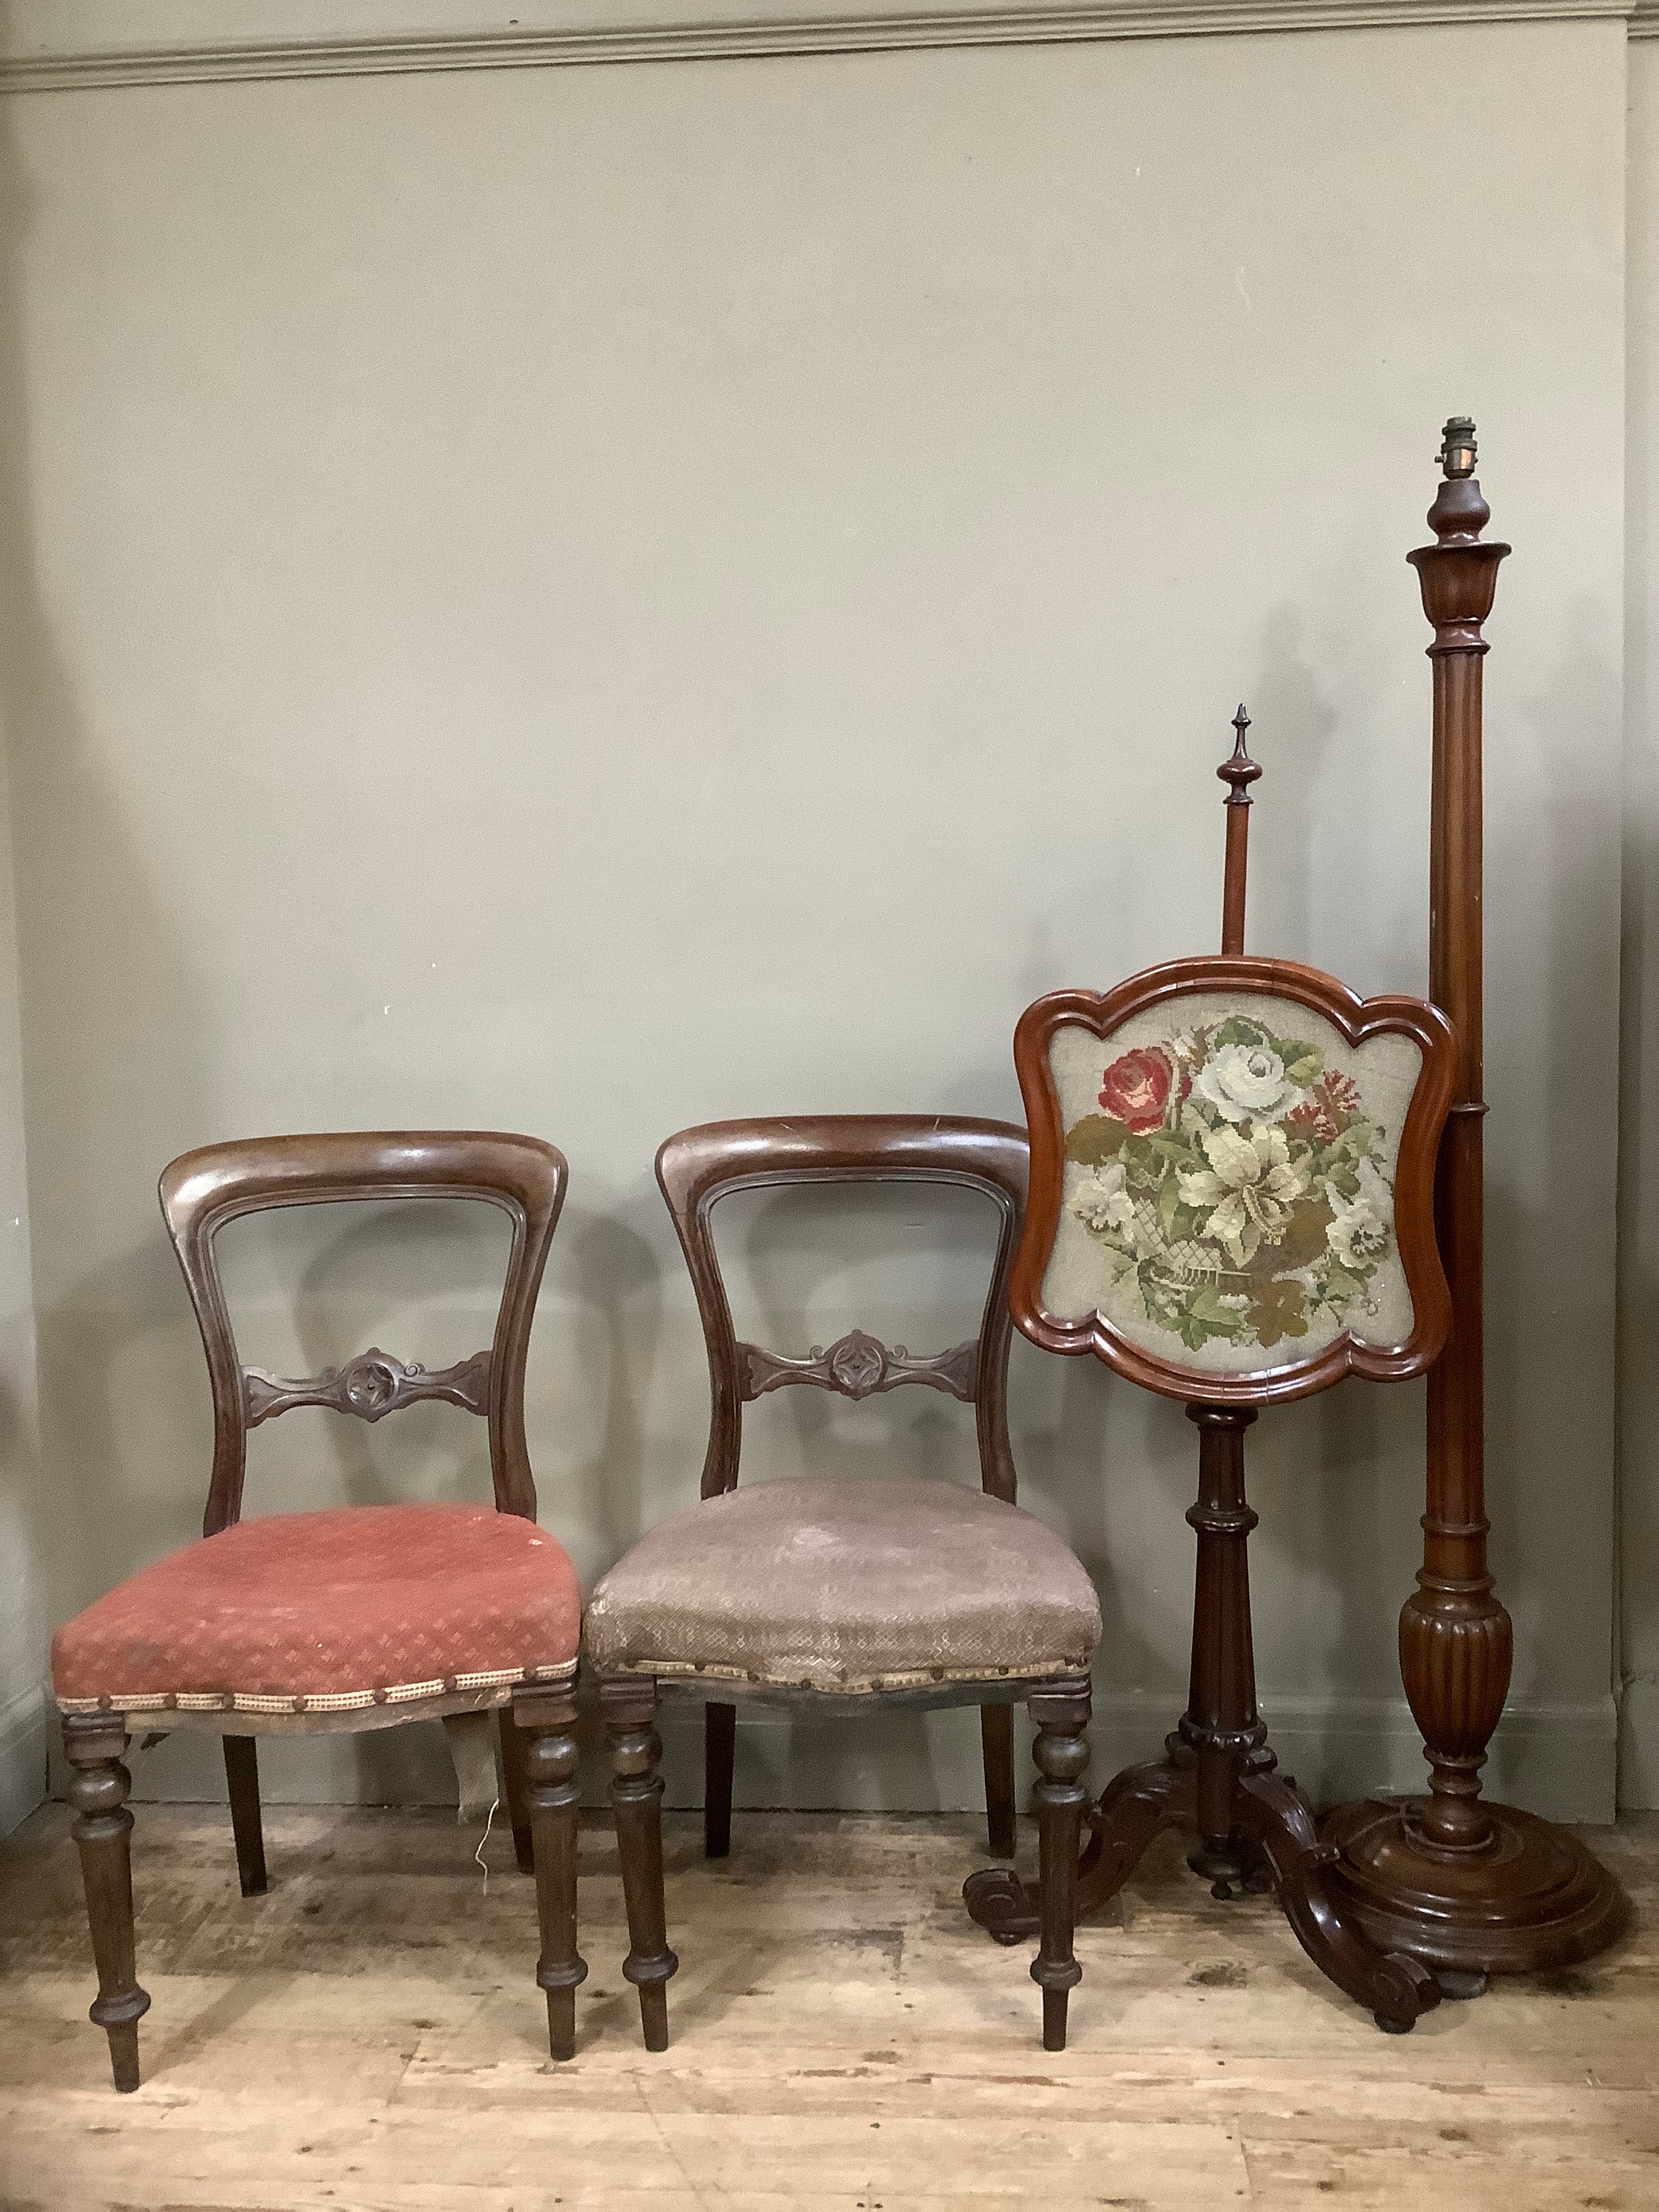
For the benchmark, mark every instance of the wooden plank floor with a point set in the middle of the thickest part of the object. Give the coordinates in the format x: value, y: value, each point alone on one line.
x: 368, y: 2037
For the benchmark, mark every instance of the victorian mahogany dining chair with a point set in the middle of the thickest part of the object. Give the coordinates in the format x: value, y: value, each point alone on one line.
x: 836, y: 1593
x: 360, y: 1617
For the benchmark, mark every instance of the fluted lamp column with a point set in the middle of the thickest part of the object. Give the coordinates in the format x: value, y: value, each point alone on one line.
x: 1471, y: 1887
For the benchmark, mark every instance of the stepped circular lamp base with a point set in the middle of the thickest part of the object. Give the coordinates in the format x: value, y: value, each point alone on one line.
x: 1536, y: 1899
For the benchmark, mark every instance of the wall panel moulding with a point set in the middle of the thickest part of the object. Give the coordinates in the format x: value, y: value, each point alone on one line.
x: 65, y: 44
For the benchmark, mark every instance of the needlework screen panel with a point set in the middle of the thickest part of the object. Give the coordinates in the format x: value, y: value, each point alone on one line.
x: 1228, y: 1201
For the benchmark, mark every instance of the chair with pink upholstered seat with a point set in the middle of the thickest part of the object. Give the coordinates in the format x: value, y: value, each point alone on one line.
x: 357, y: 1617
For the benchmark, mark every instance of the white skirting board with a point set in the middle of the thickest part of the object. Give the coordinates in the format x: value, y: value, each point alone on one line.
x: 1557, y: 1759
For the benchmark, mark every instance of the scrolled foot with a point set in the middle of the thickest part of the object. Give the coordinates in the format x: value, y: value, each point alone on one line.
x: 999, y: 1902
x: 1404, y: 1990
x: 1396, y: 1989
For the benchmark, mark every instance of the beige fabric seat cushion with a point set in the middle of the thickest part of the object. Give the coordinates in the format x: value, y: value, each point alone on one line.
x: 844, y: 1587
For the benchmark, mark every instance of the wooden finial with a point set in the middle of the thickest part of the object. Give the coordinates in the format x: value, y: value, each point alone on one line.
x: 1239, y: 773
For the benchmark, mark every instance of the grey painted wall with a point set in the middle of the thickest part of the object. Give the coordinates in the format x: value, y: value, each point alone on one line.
x: 588, y: 599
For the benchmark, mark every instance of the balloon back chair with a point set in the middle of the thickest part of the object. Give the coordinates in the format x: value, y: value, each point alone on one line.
x: 836, y: 1595
x: 356, y: 1618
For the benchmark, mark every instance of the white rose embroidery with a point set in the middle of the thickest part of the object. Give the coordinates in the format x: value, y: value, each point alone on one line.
x: 1359, y: 1235
x: 1251, y: 1183
x: 1246, y: 1082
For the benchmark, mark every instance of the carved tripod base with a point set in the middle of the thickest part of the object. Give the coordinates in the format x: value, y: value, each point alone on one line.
x: 1529, y: 1898
x: 1271, y: 1842
x: 1217, y: 1780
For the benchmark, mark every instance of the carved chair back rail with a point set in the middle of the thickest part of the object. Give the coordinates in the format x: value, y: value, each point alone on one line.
x: 699, y: 1167
x: 205, y: 1190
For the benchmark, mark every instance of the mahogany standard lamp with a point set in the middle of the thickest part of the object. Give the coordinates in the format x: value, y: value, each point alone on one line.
x: 1471, y: 1887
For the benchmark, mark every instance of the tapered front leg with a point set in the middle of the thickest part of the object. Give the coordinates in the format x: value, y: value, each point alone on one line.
x: 1062, y: 1752
x: 545, y: 1718
x: 98, y: 1791
x: 629, y: 1708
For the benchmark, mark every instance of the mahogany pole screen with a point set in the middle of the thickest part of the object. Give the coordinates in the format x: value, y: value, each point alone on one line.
x: 1472, y: 1887
x: 1232, y: 1203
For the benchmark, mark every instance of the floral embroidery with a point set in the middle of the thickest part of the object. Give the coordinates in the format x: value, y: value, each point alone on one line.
x: 1234, y: 1186
x: 1136, y: 1089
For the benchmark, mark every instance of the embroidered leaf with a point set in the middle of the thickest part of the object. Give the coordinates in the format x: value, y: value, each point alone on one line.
x: 1097, y: 1139
x: 1302, y: 1062
x: 1238, y: 1029
x: 1208, y: 1308
x: 1278, y: 1309
x: 1304, y: 1235
x: 1170, y: 1144
x: 1168, y: 1204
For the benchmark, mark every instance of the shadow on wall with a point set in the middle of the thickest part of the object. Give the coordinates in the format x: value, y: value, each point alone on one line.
x: 119, y: 1033
x: 1294, y: 740
x: 1551, y: 1248
x: 89, y: 975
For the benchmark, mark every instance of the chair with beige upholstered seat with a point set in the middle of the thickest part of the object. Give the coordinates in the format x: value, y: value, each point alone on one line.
x: 837, y: 1593
x: 358, y: 1618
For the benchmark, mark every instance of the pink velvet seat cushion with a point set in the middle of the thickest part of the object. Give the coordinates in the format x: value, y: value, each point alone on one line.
x: 329, y: 1612
x: 847, y: 1587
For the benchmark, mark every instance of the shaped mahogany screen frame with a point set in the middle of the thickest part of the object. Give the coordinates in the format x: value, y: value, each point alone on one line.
x: 1103, y: 1012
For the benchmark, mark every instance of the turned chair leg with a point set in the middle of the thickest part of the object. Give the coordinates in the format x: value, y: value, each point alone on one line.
x: 996, y: 1730
x: 629, y: 1708
x: 98, y: 1791
x: 514, y: 1744
x: 1062, y: 1752
x: 719, y: 1749
x: 546, y: 1718
x: 243, y: 1774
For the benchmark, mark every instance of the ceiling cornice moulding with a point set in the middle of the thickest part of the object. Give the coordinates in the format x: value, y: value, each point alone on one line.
x: 48, y: 46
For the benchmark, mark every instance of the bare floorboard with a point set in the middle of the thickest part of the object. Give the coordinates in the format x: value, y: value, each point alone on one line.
x: 368, y: 2037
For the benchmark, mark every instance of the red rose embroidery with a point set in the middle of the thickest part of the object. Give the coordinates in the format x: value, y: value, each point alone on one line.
x: 1136, y: 1090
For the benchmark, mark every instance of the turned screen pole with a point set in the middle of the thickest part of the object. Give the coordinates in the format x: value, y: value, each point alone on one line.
x: 1472, y: 1887
x: 1455, y: 1636
x: 1238, y: 774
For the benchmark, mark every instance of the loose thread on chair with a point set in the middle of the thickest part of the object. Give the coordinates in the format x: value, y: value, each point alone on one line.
x: 479, y: 1855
